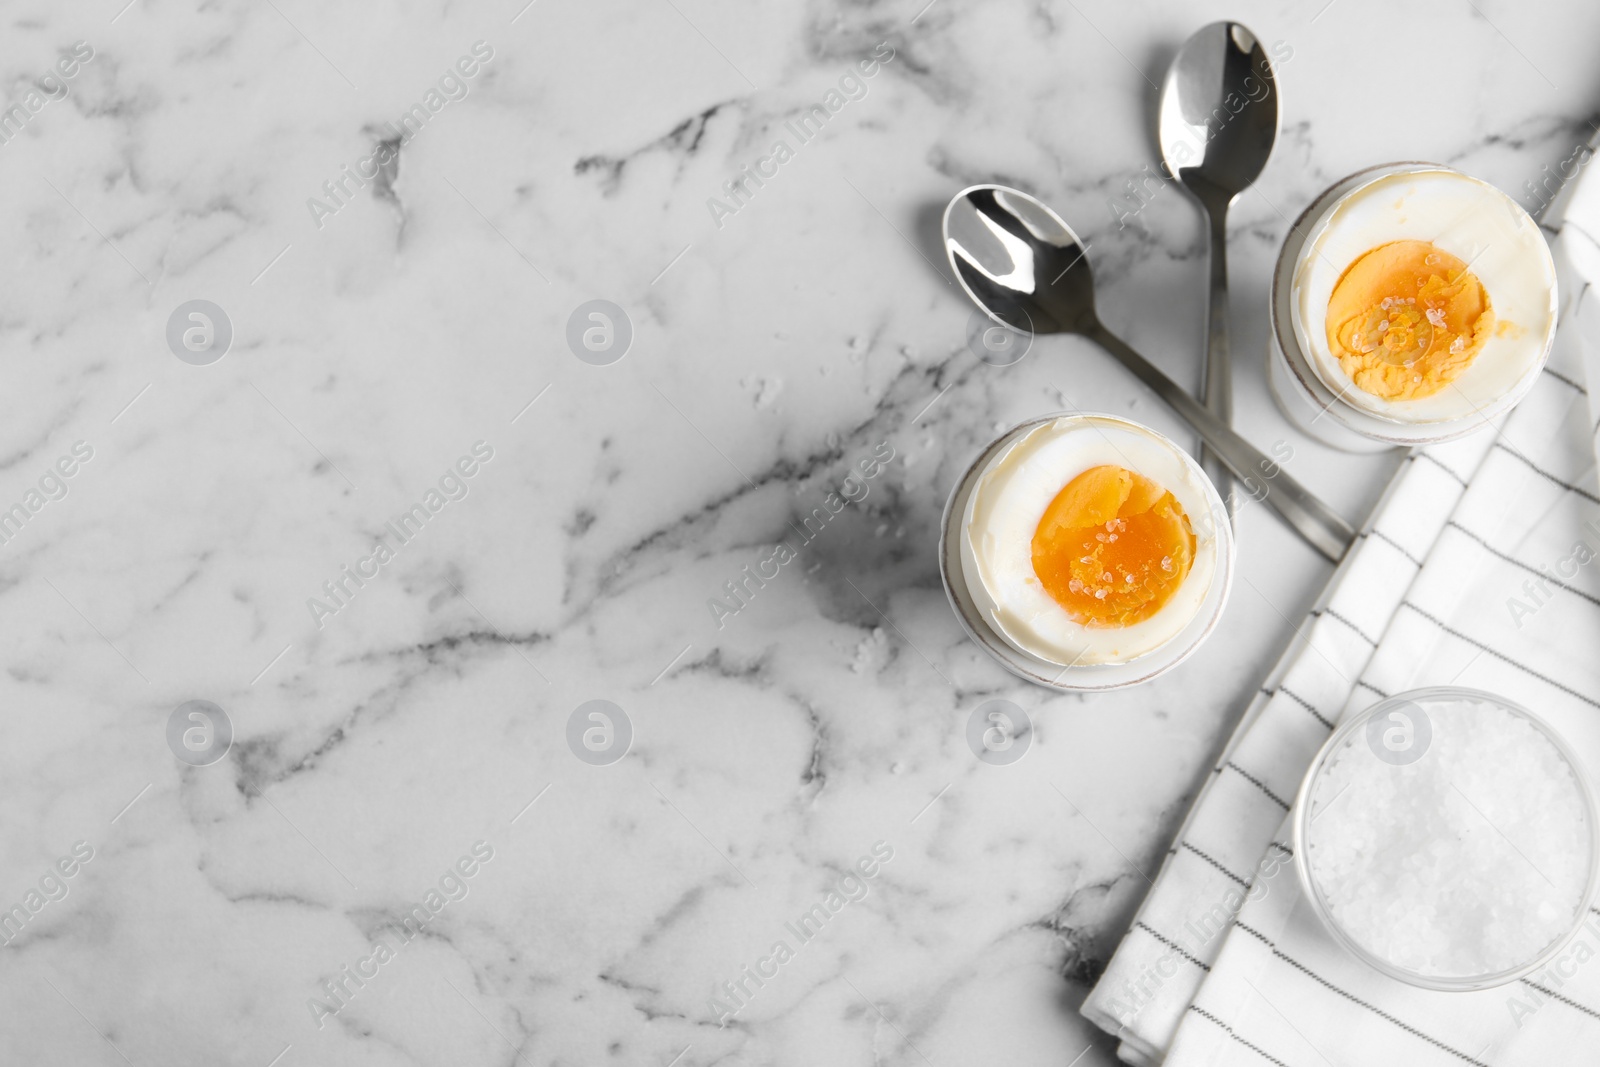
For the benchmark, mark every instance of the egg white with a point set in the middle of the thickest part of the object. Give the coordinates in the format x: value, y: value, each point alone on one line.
x: 1009, y: 499
x: 1471, y: 220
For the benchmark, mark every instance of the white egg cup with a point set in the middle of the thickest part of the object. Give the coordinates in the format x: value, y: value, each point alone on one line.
x: 1320, y: 410
x: 1081, y: 677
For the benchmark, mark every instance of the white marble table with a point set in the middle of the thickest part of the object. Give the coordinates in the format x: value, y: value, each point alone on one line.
x: 378, y: 336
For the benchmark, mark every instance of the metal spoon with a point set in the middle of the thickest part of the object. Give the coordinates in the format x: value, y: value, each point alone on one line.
x: 1219, y: 118
x: 1025, y: 268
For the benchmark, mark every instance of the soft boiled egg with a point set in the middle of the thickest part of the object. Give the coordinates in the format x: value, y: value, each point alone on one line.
x: 1089, y: 539
x: 1426, y: 296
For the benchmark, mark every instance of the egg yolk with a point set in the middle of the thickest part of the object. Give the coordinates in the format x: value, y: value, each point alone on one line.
x: 1112, y: 547
x: 1406, y: 319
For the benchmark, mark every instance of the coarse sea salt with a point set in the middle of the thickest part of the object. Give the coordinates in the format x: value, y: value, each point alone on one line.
x: 1470, y: 861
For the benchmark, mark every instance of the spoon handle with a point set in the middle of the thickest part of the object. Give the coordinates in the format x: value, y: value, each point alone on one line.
x: 1216, y: 388
x: 1313, y: 520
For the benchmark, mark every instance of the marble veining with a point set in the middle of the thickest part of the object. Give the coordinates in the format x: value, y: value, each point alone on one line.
x: 234, y: 912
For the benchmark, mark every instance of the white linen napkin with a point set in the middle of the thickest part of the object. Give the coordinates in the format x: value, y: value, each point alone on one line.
x: 1225, y: 963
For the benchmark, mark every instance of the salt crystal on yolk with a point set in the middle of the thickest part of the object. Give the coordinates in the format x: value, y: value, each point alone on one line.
x: 1406, y: 319
x: 1112, y: 547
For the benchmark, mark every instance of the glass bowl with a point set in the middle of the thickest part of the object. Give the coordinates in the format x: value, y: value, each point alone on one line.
x: 1319, y: 408
x: 1081, y: 677
x: 1390, y: 744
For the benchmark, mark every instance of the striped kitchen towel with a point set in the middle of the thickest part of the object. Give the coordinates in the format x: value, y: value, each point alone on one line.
x: 1468, y: 573
x: 1222, y: 845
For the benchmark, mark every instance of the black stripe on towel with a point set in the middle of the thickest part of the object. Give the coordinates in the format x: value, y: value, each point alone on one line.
x: 1259, y: 784
x: 1206, y: 1015
x: 1330, y: 613
x: 1541, y: 472
x: 1475, y: 643
x: 1553, y: 995
x: 1398, y: 547
x: 1440, y: 464
x: 1304, y: 703
x: 1173, y: 945
x: 1380, y: 1013
x: 1215, y: 864
x: 1514, y: 561
x: 1564, y: 380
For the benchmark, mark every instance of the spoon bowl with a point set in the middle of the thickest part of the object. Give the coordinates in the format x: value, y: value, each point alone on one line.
x: 1219, y: 111
x: 1002, y: 243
